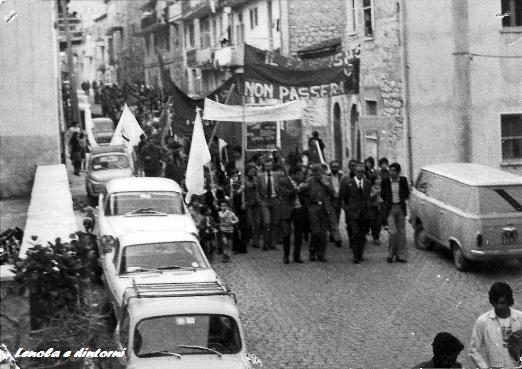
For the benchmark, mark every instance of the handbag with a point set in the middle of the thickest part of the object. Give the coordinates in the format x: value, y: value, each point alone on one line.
x: 514, y: 342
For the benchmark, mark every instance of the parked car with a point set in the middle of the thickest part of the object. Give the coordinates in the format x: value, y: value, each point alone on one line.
x: 152, y: 257
x: 473, y: 210
x: 104, y: 164
x: 102, y: 130
x: 181, y: 325
x: 142, y: 204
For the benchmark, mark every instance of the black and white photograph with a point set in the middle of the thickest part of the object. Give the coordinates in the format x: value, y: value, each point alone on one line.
x: 246, y: 184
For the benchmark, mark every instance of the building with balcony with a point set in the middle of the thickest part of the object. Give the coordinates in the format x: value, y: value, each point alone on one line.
x: 203, y: 43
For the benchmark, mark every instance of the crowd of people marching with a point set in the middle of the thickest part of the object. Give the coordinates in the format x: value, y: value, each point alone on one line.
x: 268, y: 200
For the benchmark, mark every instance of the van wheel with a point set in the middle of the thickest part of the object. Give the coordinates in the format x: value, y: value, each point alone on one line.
x: 422, y: 242
x: 460, y: 261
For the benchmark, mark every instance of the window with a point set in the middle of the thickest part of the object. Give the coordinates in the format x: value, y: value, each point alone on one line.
x: 368, y: 17
x: 253, y: 18
x: 352, y: 14
x: 189, y: 36
x: 512, y: 13
x: 154, y: 336
x: 371, y: 107
x: 511, y: 131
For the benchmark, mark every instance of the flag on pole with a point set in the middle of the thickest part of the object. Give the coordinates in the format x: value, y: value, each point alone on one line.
x: 221, y: 145
x: 128, y: 130
x: 198, y: 157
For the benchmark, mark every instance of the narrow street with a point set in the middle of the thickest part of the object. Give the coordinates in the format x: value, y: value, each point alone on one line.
x: 345, y: 315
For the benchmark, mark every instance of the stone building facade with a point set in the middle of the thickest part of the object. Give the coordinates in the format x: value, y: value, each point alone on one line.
x: 377, y: 116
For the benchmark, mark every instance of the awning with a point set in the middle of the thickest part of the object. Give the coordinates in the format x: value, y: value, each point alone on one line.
x: 153, y: 28
x: 320, y: 49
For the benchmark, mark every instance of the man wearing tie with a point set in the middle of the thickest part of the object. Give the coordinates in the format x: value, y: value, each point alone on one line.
x: 354, y: 194
x: 268, y: 193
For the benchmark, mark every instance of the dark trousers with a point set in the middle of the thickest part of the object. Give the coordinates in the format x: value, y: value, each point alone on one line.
x: 358, y: 228
x: 319, y: 225
x: 375, y: 223
x: 297, y: 220
x: 152, y: 172
x: 77, y: 164
x: 254, y: 223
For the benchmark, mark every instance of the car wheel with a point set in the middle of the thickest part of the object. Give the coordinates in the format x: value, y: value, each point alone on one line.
x: 460, y: 261
x: 422, y: 242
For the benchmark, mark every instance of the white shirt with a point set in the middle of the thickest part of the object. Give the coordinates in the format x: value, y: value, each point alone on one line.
x: 395, y: 191
x: 488, y: 338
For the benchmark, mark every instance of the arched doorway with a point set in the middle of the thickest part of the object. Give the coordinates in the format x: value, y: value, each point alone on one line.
x: 355, y: 146
x: 338, y: 134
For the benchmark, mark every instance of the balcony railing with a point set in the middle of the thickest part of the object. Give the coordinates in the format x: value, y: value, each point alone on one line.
x: 200, y: 58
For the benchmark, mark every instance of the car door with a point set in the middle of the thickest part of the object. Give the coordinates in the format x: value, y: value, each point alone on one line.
x: 110, y: 272
x: 434, y: 207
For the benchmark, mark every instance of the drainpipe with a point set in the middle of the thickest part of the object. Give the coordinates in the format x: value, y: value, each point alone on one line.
x: 403, y: 37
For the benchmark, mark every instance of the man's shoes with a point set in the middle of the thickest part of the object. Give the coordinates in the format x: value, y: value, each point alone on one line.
x: 299, y: 261
x: 272, y: 247
x: 322, y: 259
x: 376, y: 242
x: 312, y: 257
x: 389, y: 260
x: 356, y: 261
x: 286, y: 260
x: 256, y: 246
x: 265, y: 248
x: 226, y: 258
x: 361, y: 259
x: 338, y: 243
x: 399, y: 260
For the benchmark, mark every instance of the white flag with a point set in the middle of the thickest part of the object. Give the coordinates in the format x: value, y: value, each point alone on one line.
x: 128, y: 130
x: 198, y: 157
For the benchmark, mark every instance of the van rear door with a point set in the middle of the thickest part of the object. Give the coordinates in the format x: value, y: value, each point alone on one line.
x: 501, y: 210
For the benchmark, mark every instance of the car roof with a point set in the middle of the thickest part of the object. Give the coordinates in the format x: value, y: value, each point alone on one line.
x: 107, y: 149
x: 142, y: 184
x: 102, y: 119
x: 474, y: 174
x: 148, y: 307
x: 144, y: 237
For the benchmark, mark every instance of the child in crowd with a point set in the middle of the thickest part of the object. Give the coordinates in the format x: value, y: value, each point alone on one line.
x: 227, y: 221
x: 207, y: 231
x: 194, y: 209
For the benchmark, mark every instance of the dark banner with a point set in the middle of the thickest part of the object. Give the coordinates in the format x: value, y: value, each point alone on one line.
x: 261, y: 136
x: 276, y: 82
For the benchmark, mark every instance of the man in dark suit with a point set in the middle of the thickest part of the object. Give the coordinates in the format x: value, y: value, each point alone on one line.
x: 354, y: 194
x: 266, y: 185
x: 292, y: 212
x: 319, y: 191
x: 394, y: 192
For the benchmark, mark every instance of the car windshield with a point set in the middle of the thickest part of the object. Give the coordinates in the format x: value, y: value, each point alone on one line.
x: 101, y: 140
x: 207, y: 334
x: 145, y: 203
x: 110, y: 162
x: 500, y: 200
x: 104, y: 125
x: 161, y: 256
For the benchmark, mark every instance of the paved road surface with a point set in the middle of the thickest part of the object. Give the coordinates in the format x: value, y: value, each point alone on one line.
x: 342, y: 315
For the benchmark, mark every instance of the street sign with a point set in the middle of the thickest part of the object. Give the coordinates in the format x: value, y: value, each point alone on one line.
x: 376, y: 123
x: 261, y: 136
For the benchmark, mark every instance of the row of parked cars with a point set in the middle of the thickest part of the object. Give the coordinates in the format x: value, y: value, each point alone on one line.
x: 172, y: 309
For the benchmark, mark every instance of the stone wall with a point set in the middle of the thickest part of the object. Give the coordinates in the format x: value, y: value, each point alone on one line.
x: 313, y: 21
x: 381, y: 78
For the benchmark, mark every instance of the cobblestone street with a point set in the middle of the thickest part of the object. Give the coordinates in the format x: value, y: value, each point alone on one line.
x: 343, y: 315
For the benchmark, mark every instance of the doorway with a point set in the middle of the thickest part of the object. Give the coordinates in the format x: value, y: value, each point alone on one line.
x: 354, y: 135
x: 338, y: 135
